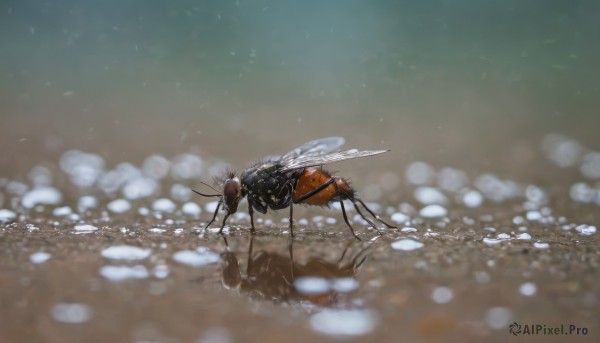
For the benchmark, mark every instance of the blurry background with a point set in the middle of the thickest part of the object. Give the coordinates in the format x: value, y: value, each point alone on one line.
x: 111, y: 110
x: 465, y: 83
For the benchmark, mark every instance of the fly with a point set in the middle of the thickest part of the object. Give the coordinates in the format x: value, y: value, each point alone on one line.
x: 298, y: 177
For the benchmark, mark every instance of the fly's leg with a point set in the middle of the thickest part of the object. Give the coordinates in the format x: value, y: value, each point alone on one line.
x: 346, y: 219
x: 215, y: 215
x: 356, y: 263
x: 292, y: 218
x: 365, y: 219
x: 292, y: 188
x: 304, y: 197
x: 223, y: 225
x: 344, y: 252
x: 326, y: 184
x: 291, y: 249
x: 372, y: 213
x: 226, y: 243
x: 251, y: 213
x: 250, y: 262
x: 341, y: 197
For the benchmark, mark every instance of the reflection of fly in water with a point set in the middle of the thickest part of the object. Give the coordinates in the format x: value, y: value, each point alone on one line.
x: 271, y: 276
x: 297, y: 177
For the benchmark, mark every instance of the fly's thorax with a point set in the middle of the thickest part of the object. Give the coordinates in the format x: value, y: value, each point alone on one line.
x: 258, y: 170
x: 267, y: 186
x: 232, y: 194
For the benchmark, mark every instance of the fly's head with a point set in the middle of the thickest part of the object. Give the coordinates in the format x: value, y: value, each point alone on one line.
x: 232, y: 193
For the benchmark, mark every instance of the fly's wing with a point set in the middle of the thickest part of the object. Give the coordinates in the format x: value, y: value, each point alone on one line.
x: 271, y: 158
x: 317, y: 147
x: 320, y: 160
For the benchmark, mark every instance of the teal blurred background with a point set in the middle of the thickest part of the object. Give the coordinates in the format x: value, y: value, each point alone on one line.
x: 162, y: 75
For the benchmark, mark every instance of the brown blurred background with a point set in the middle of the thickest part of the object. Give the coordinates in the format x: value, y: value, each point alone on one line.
x: 468, y: 84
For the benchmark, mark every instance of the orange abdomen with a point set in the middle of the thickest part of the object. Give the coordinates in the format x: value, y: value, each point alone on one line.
x: 311, y: 179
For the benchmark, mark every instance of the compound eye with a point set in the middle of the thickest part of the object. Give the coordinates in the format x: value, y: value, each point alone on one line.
x: 231, y: 192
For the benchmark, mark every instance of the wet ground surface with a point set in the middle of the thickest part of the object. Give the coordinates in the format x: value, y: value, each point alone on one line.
x: 93, y: 250
x: 110, y: 114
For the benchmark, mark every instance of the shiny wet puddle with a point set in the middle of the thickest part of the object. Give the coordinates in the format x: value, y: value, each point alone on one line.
x: 103, y: 256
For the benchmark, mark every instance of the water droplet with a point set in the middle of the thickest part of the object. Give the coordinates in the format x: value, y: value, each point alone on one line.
x: 586, y: 230
x: 140, y: 188
x: 518, y: 220
x: 164, y: 205
x: 119, y: 206
x: 343, y: 322
x: 419, y: 173
x: 590, y: 167
x: 492, y: 241
x: 563, y: 151
x: 312, y: 285
x: 62, y: 211
x: 524, y: 236
x: 126, y: 253
x: 503, y: 236
x: 186, y: 167
x: 535, y: 194
x: 39, y: 257
x: 157, y: 230
x: 496, y: 189
x: 40, y: 176
x: 161, y: 271
x: 399, y: 218
x: 533, y: 216
x: 345, y: 285
x: 528, y: 289
x: 472, y: 198
x: 433, y: 211
x: 442, y: 295
x: 83, y: 168
x: 498, y: 317
x: 196, y: 258
x: 7, y: 215
x: 121, y: 273
x: 72, y: 313
x: 85, y: 228
x: 407, y: 244
x: 156, y: 167
x: 581, y: 192
x: 191, y: 209
x: 451, y: 179
x: 16, y: 188
x: 113, y: 180
x: 180, y: 193
x: 430, y: 196
x: 86, y: 202
x: 41, y: 196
